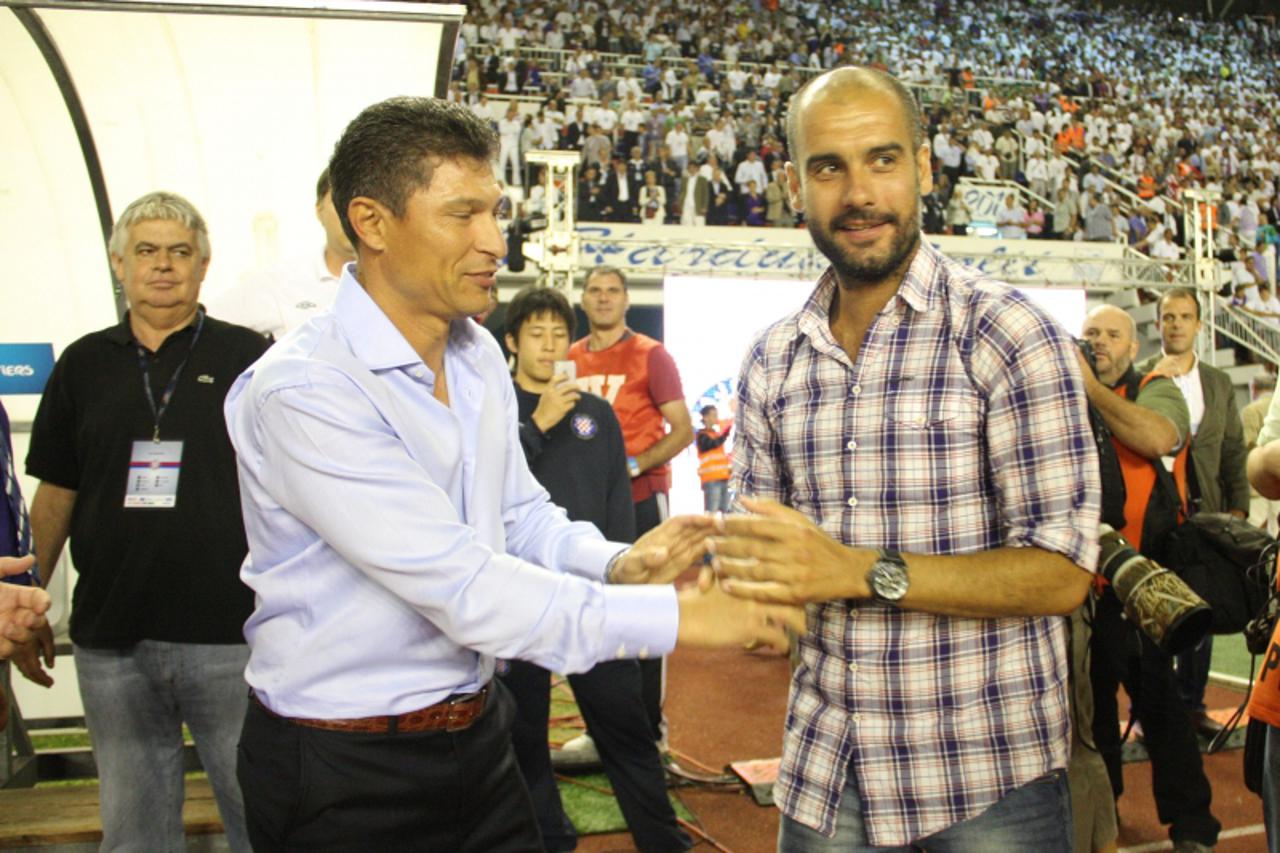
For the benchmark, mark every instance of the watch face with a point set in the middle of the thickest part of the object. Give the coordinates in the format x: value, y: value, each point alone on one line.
x: 889, y: 580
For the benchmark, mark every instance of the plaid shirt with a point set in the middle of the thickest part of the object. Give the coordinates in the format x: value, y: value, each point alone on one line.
x: 961, y: 427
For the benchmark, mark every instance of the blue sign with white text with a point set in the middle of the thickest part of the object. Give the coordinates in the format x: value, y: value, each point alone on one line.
x: 25, y: 368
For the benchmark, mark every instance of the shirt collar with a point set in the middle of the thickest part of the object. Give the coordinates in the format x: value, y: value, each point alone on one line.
x: 917, y: 291
x: 122, y: 333
x: 374, y: 338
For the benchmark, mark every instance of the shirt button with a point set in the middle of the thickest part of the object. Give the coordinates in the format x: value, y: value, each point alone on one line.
x: 855, y: 390
x: 857, y: 718
x: 853, y: 667
x: 852, y: 445
x: 920, y: 421
x: 852, y: 502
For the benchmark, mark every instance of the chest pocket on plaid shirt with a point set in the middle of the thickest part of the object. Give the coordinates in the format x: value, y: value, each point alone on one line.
x: 931, y: 410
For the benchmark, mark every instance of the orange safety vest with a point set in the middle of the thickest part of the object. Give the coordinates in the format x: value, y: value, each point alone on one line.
x: 1140, y: 479
x: 713, y: 464
x: 1264, y: 700
x: 1146, y: 187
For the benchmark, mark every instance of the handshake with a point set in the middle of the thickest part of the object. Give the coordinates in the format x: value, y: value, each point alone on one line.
x: 756, y: 572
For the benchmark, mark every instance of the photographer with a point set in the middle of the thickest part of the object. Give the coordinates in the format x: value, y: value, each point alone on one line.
x: 1141, y: 420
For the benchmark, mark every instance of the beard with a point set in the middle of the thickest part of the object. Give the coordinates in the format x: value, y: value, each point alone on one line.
x: 853, y: 269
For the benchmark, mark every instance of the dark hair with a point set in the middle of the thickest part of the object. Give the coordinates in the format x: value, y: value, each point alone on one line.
x: 1179, y: 293
x: 535, y: 300
x: 322, y: 185
x: 864, y: 78
x: 390, y: 150
x: 605, y: 269
x: 707, y: 408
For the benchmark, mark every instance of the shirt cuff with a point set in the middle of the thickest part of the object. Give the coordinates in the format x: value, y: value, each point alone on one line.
x: 589, y: 558
x: 639, y: 622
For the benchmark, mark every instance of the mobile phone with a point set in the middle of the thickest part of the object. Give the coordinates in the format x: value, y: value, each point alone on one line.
x: 566, y: 368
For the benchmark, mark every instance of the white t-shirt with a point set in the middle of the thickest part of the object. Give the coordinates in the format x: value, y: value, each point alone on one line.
x: 509, y: 131
x: 277, y: 301
x: 606, y: 118
x: 677, y: 143
x: 751, y: 171
x: 633, y: 120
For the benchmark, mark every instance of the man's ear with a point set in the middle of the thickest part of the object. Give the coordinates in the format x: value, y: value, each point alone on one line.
x: 369, y: 219
x: 793, y: 187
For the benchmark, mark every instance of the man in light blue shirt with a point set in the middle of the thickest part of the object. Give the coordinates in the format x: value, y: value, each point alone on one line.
x: 398, y: 544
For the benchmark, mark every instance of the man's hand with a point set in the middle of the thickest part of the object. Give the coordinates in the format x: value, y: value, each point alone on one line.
x: 556, y: 402
x: 665, y: 552
x: 27, y: 656
x: 10, y: 566
x: 22, y: 608
x: 1091, y: 383
x: 1168, y: 366
x: 779, y: 555
x: 712, y: 619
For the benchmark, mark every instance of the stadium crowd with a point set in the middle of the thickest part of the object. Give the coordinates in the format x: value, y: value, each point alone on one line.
x: 1105, y: 115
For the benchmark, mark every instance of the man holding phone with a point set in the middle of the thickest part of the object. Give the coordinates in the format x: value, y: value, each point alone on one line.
x: 575, y: 449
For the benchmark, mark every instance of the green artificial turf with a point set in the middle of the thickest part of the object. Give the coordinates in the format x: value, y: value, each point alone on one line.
x: 1230, y: 657
x: 594, y: 812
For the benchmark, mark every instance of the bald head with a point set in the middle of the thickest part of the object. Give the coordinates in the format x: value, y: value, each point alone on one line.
x: 1112, y: 315
x: 843, y: 83
x: 1114, y: 336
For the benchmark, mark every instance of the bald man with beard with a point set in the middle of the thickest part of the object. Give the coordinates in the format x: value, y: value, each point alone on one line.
x: 915, y: 452
x: 1148, y: 420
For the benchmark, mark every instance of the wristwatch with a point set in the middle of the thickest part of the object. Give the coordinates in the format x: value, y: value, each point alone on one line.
x: 888, y: 577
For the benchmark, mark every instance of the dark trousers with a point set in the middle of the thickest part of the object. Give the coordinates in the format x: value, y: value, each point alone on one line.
x: 1122, y: 655
x: 651, y: 512
x: 1193, y: 673
x: 609, y: 698
x: 315, y: 790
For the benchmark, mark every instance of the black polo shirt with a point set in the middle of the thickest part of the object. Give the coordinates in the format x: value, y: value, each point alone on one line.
x: 149, y: 574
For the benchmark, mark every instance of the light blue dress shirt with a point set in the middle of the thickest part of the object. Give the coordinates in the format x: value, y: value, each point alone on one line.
x: 398, y: 546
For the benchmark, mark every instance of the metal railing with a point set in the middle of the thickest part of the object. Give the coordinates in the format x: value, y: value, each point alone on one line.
x: 1254, y: 333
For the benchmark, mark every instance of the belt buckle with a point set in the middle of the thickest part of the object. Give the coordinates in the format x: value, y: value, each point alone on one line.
x: 453, y: 720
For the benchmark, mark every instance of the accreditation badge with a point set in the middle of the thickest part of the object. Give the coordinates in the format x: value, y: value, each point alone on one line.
x: 153, y: 475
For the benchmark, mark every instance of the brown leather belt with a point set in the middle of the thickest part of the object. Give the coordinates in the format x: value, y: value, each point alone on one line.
x: 452, y: 715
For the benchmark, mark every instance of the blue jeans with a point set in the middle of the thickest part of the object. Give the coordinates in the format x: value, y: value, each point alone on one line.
x: 135, y: 702
x: 1035, y: 816
x: 1271, y: 789
x: 715, y: 496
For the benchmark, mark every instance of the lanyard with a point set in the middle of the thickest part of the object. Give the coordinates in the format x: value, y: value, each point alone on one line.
x: 144, y: 363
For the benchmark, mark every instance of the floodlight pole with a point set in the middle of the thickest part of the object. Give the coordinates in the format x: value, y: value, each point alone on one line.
x: 555, y: 249
x: 1198, y: 226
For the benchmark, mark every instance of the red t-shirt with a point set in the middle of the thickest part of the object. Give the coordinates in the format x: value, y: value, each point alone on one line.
x: 636, y: 375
